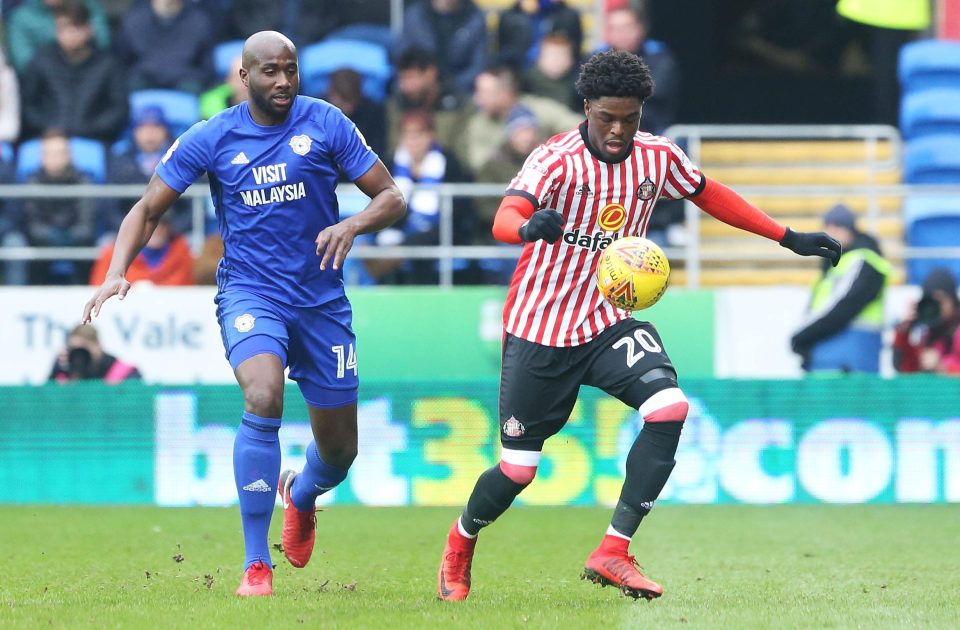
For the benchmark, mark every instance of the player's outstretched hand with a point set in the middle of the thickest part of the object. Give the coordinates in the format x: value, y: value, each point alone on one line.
x: 812, y: 244
x: 112, y: 285
x: 333, y: 243
x: 545, y: 224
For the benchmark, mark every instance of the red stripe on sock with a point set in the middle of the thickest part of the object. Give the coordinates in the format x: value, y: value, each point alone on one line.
x: 518, y: 474
x: 677, y: 412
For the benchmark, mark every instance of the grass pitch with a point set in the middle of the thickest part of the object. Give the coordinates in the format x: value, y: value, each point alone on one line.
x: 732, y: 567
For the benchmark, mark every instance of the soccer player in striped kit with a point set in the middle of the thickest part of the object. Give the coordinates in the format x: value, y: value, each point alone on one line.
x: 574, y: 195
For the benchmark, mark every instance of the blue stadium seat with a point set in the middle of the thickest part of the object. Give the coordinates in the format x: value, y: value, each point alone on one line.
x: 931, y: 222
x: 929, y: 112
x: 181, y: 109
x: 6, y: 152
x: 932, y: 160
x: 928, y: 64
x: 318, y: 61
x: 378, y: 34
x: 223, y: 55
x: 88, y: 157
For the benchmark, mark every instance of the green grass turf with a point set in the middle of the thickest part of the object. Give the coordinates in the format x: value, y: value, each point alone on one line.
x: 734, y: 567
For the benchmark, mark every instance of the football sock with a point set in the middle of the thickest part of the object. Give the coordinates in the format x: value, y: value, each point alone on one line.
x: 316, y: 478
x: 491, y: 497
x: 256, y: 467
x: 649, y: 464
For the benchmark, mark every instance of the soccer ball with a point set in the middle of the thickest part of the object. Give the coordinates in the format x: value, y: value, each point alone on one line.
x: 632, y: 273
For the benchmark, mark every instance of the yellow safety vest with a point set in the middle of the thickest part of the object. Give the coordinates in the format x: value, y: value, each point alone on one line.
x: 908, y: 15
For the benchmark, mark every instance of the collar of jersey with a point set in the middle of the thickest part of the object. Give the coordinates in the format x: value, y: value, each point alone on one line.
x: 594, y: 152
x: 248, y: 117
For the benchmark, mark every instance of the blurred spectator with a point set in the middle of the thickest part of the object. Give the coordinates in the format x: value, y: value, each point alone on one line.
x: 14, y: 272
x: 167, y: 44
x: 9, y: 102
x: 229, y: 93
x: 928, y: 340
x: 345, y: 91
x: 83, y: 359
x: 59, y: 222
x: 419, y: 87
x: 455, y: 31
x: 74, y: 85
x: 206, y: 263
x: 523, y: 26
x: 164, y: 260
x: 626, y: 28
x: 419, y: 160
x: 31, y: 26
x: 842, y: 331
x: 523, y: 136
x: 554, y: 75
x: 151, y: 138
x: 497, y: 94
x: 304, y: 22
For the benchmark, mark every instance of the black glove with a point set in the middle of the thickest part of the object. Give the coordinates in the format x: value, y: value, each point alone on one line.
x: 545, y: 224
x: 812, y: 244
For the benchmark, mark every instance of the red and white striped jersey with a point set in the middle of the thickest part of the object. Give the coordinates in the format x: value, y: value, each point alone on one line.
x: 553, y: 298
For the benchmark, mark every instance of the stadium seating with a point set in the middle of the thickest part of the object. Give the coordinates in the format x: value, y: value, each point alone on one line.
x: 933, y: 160
x: 88, y: 157
x: 318, y: 61
x: 181, y: 109
x: 795, y: 162
x: 378, y: 34
x: 929, y: 64
x: 931, y: 222
x: 6, y: 152
x: 932, y: 111
x: 223, y: 55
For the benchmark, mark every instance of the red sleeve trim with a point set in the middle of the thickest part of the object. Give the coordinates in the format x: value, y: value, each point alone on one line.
x: 724, y: 204
x: 513, y: 212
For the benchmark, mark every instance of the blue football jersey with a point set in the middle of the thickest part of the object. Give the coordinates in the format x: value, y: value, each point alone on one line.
x: 274, y: 190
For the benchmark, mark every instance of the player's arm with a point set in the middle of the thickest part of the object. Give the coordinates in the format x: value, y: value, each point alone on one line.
x: 386, y: 207
x: 134, y: 232
x: 726, y: 205
x: 517, y: 221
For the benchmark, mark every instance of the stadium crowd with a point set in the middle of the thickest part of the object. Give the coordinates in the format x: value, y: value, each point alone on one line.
x: 97, y: 90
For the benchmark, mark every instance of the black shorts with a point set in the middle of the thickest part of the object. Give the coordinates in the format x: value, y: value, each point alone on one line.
x: 539, y: 384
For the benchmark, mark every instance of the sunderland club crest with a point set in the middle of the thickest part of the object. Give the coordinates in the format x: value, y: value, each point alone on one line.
x: 513, y: 428
x: 301, y: 144
x: 646, y: 190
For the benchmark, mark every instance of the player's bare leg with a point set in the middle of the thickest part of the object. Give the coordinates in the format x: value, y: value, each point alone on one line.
x: 256, y: 464
x: 649, y: 464
x: 329, y: 458
x: 493, y: 493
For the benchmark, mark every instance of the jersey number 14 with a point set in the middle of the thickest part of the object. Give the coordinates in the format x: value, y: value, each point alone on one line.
x: 345, y: 361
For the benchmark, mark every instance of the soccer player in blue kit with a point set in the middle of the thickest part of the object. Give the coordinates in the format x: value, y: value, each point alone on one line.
x: 273, y: 167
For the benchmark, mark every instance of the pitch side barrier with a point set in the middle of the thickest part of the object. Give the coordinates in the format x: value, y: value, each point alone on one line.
x: 845, y: 440
x: 691, y: 256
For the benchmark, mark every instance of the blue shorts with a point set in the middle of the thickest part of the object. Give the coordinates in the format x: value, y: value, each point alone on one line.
x: 316, y: 342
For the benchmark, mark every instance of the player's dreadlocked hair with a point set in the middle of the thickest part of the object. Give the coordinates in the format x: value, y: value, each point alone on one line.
x: 615, y: 73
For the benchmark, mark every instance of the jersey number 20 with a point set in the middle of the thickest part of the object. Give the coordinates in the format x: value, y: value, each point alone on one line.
x: 646, y: 341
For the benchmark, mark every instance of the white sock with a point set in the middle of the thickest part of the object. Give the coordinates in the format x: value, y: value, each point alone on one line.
x: 464, y: 532
x: 612, y: 532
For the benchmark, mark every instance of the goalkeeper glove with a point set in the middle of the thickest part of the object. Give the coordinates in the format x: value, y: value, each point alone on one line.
x: 812, y: 244
x: 544, y: 224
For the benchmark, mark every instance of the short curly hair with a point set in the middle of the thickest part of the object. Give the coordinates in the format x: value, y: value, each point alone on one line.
x: 615, y: 73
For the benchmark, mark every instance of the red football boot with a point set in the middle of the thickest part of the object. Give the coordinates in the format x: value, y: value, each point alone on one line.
x: 609, y: 565
x: 299, y: 528
x: 453, y: 581
x: 257, y: 581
